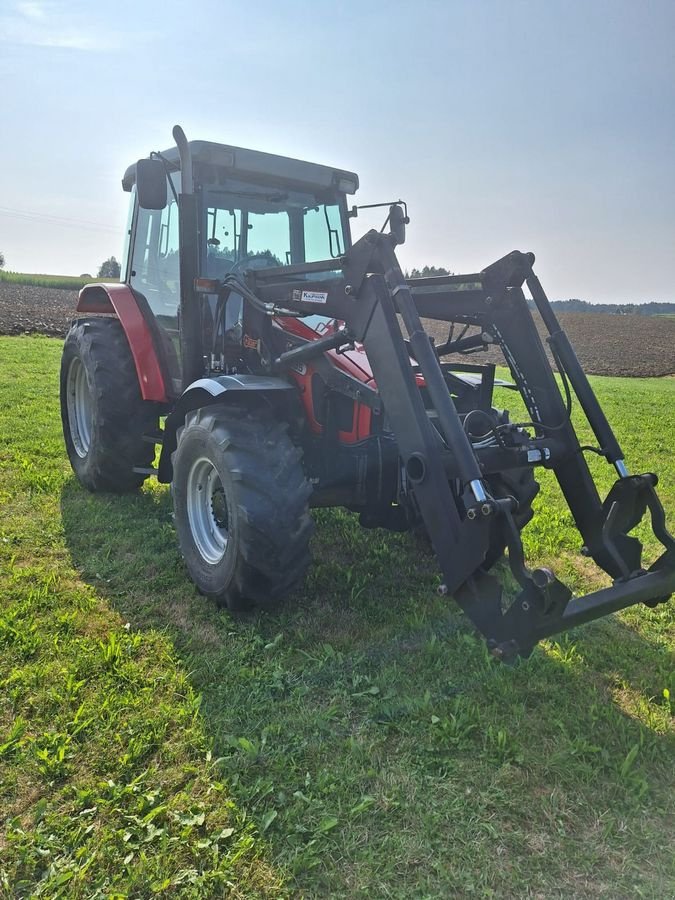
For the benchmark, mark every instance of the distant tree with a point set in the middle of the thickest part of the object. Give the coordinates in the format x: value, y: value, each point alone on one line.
x: 429, y: 272
x: 85, y: 275
x: 109, y: 269
x: 2, y: 260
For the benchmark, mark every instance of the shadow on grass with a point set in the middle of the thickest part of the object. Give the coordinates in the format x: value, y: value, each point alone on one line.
x: 364, y: 725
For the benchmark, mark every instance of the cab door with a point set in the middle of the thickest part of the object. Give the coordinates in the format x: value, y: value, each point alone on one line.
x: 154, y: 276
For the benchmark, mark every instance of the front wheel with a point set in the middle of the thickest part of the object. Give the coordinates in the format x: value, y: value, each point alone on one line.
x: 241, y: 506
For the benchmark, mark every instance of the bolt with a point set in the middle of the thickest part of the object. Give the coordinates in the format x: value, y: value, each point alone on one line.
x: 348, y: 289
x: 471, y: 513
x: 486, y: 509
x: 585, y: 551
x: 442, y: 590
x: 488, y: 301
x: 525, y: 606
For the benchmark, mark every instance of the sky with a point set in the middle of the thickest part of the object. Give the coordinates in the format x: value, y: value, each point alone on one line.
x: 505, y: 124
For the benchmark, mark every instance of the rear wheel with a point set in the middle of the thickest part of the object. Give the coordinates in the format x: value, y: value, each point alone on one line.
x: 241, y: 506
x: 103, y: 415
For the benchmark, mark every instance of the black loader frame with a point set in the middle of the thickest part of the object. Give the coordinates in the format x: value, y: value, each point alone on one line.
x: 373, y: 298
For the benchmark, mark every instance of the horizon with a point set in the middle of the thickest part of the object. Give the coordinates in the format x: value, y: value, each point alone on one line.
x: 406, y: 272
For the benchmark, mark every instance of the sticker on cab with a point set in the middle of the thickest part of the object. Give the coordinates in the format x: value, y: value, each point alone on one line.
x: 310, y: 296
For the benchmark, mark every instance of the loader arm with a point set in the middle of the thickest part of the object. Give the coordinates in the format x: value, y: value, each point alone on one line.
x: 443, y: 472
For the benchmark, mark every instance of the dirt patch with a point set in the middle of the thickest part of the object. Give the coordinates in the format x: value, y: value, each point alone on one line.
x: 27, y: 310
x: 606, y: 344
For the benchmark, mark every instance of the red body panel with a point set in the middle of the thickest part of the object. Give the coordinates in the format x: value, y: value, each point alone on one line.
x: 119, y: 299
x: 353, y: 362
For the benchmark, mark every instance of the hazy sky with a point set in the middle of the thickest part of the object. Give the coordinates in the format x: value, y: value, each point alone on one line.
x: 545, y: 126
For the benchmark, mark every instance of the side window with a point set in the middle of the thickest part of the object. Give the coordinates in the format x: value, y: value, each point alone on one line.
x: 168, y: 261
x: 126, y: 252
x: 323, y: 233
x: 223, y: 227
x: 155, y: 270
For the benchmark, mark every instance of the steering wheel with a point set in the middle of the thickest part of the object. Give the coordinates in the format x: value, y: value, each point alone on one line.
x: 255, y: 260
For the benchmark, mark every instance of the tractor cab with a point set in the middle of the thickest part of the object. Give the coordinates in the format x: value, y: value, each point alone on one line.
x: 249, y: 210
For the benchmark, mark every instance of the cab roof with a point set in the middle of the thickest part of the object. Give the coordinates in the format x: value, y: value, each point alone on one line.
x: 213, y: 161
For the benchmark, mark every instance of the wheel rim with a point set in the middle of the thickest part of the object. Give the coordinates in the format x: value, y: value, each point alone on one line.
x: 80, y: 407
x: 207, y: 511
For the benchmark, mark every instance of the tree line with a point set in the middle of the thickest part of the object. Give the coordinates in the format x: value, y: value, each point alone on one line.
x: 651, y: 308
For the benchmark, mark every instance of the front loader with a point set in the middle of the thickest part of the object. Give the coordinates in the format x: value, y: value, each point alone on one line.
x: 289, y: 368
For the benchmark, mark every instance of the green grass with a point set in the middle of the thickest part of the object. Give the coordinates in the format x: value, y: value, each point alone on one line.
x: 65, y: 282
x: 370, y: 745
x: 107, y: 784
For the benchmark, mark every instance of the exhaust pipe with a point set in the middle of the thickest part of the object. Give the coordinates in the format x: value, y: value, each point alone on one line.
x: 185, y: 159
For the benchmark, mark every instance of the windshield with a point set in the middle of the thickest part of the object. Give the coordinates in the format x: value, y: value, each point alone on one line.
x: 247, y: 230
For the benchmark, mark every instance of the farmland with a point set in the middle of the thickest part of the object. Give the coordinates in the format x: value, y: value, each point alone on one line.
x: 639, y: 346
x: 28, y: 309
x: 636, y: 346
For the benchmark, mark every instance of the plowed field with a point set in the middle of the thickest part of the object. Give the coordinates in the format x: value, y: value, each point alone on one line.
x: 605, y: 344
x: 638, y: 346
x: 25, y: 309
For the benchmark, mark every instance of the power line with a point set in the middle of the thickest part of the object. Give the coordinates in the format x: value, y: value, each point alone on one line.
x: 30, y: 216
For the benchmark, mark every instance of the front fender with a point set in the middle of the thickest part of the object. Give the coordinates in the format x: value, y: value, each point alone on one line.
x: 206, y: 391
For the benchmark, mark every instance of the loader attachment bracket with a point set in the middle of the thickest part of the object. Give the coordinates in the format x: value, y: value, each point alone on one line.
x: 624, y: 507
x: 545, y: 606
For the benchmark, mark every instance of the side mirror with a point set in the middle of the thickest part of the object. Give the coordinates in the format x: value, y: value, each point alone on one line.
x: 151, y: 183
x: 397, y: 222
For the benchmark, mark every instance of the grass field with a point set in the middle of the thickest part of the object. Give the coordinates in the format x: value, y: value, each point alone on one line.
x: 358, y: 743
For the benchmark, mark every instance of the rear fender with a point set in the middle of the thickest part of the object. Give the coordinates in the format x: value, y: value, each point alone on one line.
x: 246, y: 389
x: 119, y: 300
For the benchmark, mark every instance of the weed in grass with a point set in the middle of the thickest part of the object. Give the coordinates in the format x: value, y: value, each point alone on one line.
x: 633, y: 780
x: 53, y: 754
x: 11, y: 742
x: 111, y: 652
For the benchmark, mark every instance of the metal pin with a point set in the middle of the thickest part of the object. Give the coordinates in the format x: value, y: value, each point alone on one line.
x: 620, y: 467
x: 478, y: 491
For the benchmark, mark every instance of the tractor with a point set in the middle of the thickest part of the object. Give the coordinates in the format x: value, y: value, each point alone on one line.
x: 282, y: 365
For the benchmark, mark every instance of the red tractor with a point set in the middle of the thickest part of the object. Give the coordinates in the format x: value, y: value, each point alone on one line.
x: 283, y: 366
